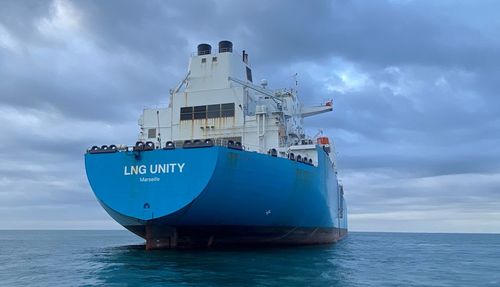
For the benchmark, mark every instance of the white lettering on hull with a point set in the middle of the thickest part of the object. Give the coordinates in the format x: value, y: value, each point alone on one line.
x: 149, y: 179
x: 159, y: 168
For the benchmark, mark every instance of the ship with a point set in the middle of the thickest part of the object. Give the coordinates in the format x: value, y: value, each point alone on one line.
x: 225, y: 163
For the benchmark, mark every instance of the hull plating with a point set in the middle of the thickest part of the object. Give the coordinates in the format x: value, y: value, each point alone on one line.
x: 218, y: 196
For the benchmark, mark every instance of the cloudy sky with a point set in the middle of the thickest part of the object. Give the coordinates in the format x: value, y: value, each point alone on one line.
x: 415, y: 86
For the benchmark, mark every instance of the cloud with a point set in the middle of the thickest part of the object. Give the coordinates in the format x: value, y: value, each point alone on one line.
x: 402, y: 202
x: 414, y: 85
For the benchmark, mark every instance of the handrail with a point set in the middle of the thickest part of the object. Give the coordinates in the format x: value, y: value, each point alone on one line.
x: 215, y: 142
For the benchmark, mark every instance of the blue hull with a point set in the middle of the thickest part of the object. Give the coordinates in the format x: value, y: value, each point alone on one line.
x: 218, y: 196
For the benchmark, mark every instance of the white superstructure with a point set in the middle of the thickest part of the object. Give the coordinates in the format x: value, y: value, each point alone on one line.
x: 218, y: 100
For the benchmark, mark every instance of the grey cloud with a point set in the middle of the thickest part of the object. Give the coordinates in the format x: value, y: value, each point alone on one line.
x: 399, y: 202
x: 20, y: 18
x: 74, y: 85
x: 424, y: 126
x: 414, y: 84
x: 378, y: 33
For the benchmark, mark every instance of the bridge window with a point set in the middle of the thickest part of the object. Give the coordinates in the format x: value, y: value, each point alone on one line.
x: 227, y: 110
x: 207, y: 112
x: 200, y: 112
x: 186, y: 113
x: 213, y: 111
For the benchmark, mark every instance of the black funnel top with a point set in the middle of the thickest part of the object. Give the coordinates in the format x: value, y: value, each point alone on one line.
x: 204, y: 49
x: 225, y: 46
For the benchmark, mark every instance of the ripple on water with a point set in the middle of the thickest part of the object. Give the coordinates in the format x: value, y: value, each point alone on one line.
x: 118, y: 258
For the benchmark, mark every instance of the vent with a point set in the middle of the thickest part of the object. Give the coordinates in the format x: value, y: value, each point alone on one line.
x: 225, y: 46
x: 204, y: 49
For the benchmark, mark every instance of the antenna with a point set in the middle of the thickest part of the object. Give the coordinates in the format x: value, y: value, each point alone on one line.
x: 158, y: 119
x: 295, y: 76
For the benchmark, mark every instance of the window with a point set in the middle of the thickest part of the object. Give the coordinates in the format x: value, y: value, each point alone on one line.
x: 214, y: 59
x: 186, y: 113
x: 203, y: 60
x: 151, y: 133
x: 227, y: 110
x: 207, y: 112
x: 249, y: 74
x: 213, y: 111
x: 200, y: 112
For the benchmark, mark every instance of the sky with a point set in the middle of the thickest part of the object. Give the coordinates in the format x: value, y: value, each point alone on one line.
x: 415, y: 84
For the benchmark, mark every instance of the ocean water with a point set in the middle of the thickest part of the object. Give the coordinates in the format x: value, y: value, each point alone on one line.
x: 118, y: 258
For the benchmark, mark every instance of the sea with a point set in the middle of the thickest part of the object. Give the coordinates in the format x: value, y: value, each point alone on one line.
x: 118, y: 258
